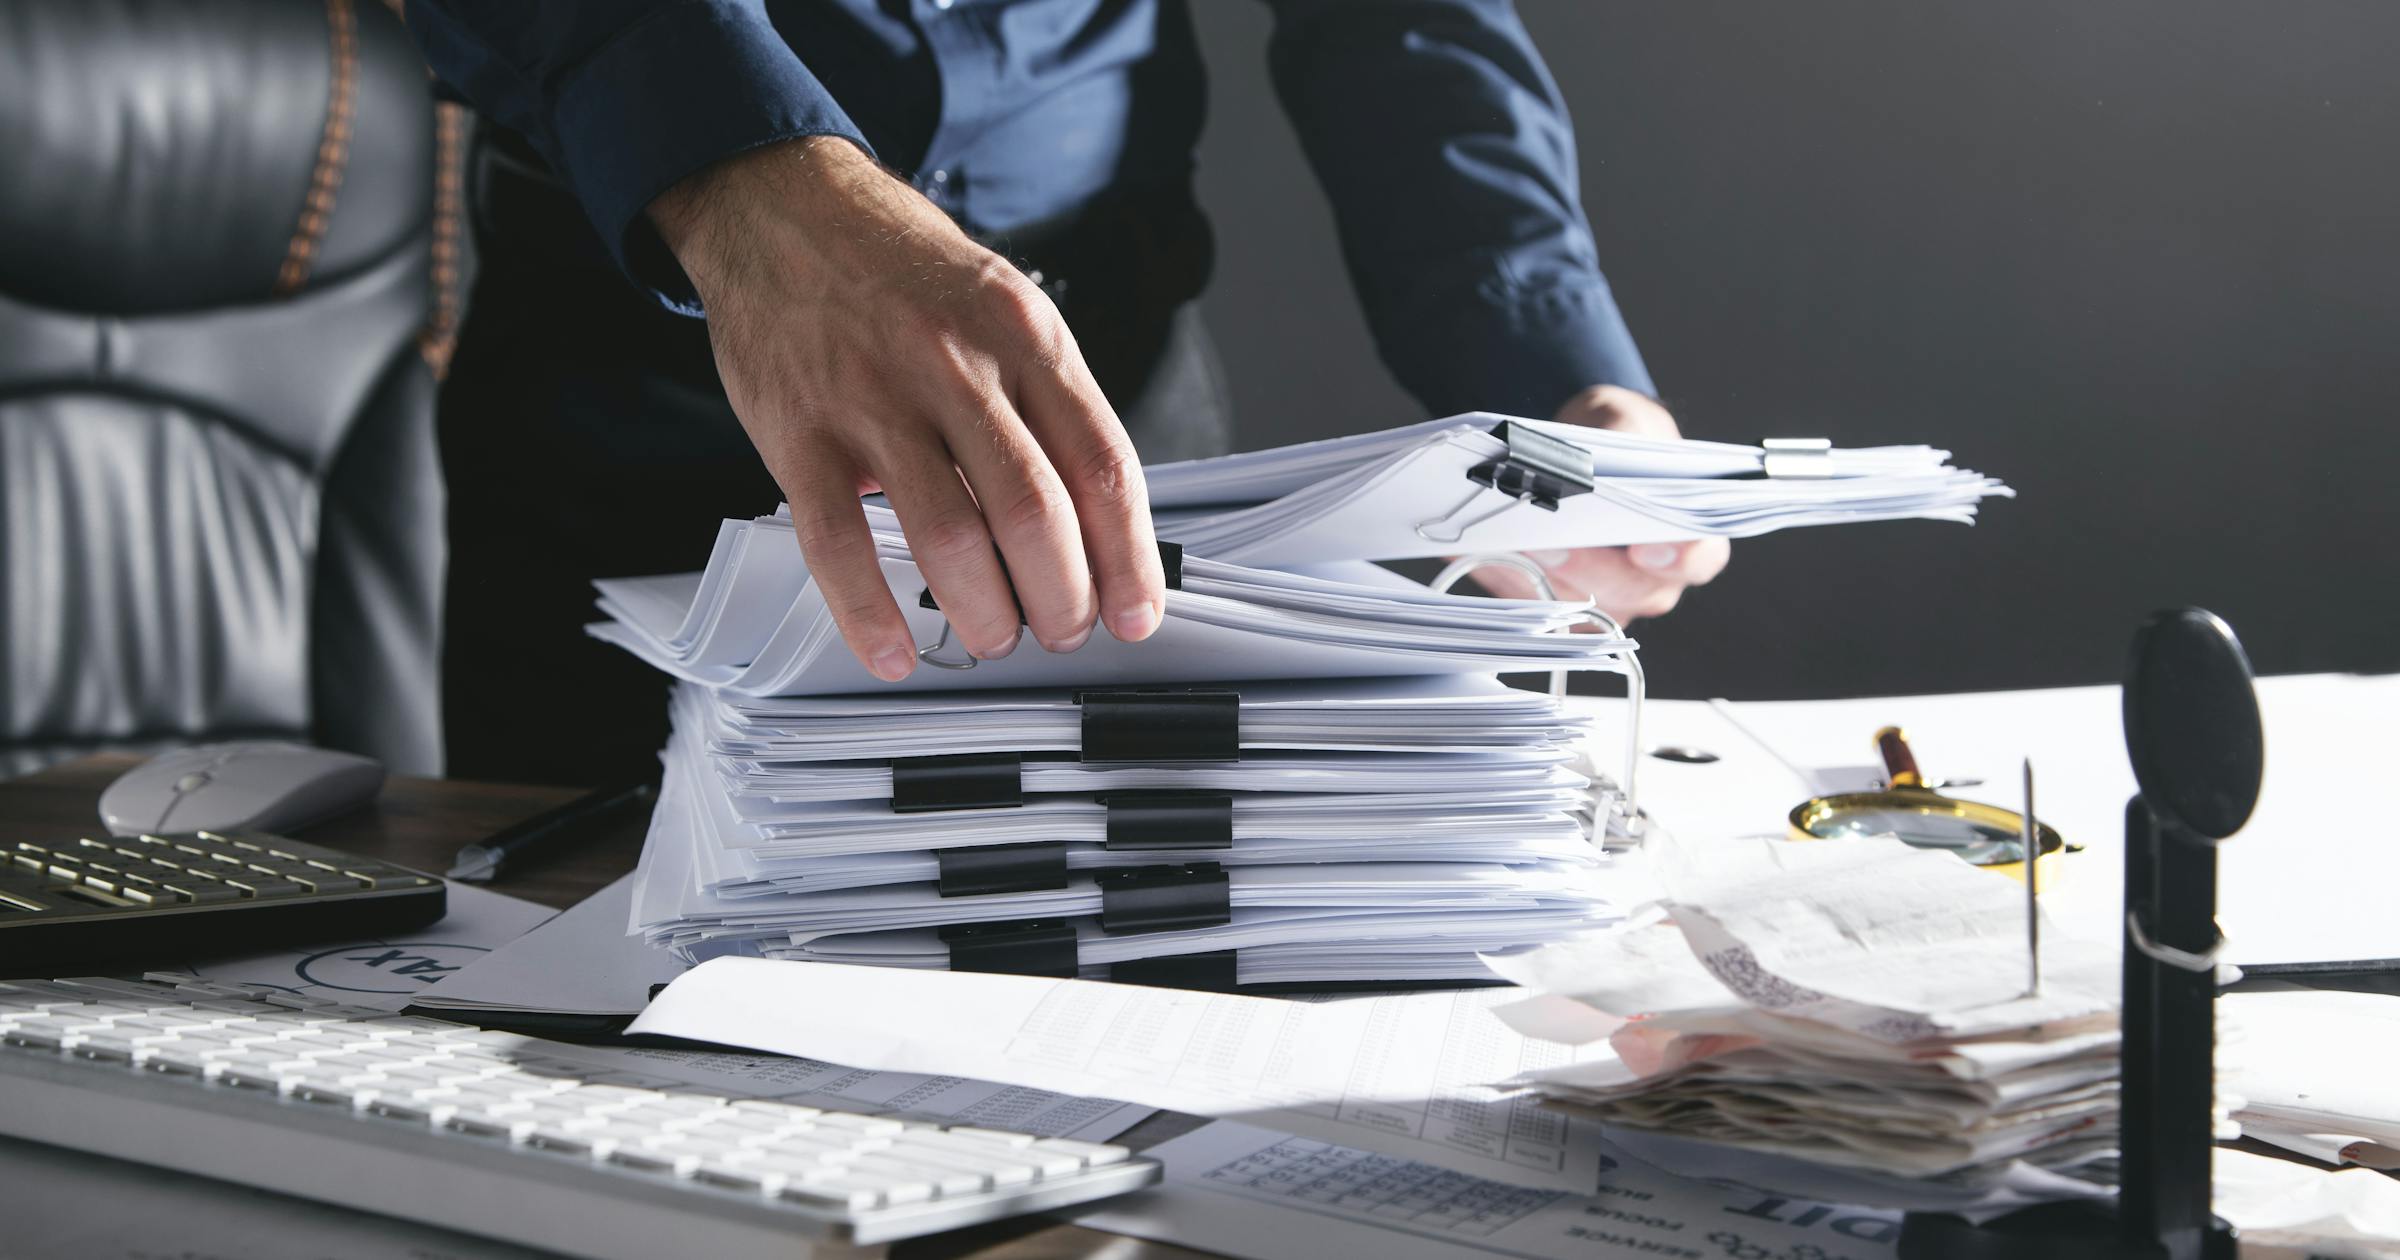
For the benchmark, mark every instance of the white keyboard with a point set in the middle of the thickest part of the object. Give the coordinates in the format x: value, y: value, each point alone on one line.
x: 439, y: 1122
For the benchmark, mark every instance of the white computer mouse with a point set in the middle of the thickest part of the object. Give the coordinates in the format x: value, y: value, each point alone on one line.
x: 269, y: 785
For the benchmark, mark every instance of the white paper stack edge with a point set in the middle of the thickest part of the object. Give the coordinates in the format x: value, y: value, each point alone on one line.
x: 1376, y: 808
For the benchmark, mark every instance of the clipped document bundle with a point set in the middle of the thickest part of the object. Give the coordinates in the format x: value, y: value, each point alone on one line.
x: 1194, y: 836
x: 1308, y: 774
x: 1482, y: 482
x: 754, y: 624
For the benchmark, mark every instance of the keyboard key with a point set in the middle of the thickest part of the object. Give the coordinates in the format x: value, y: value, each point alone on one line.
x: 34, y: 1037
x: 732, y: 1173
x: 659, y: 1116
x: 611, y: 1096
x: 410, y: 1109
x: 851, y: 1193
x: 710, y: 1148
x: 997, y: 1137
x: 1093, y: 1154
x: 811, y: 1146
x: 980, y: 1158
x: 103, y: 1048
x: 175, y: 1057
x: 944, y: 1182
x: 558, y: 1139
x: 323, y: 1091
x: 603, y: 1138
x: 655, y: 1158
x: 872, y: 1126
x: 258, y: 885
x: 203, y: 891
x: 774, y: 1110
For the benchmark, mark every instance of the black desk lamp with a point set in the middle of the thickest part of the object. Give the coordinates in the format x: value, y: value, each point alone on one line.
x: 2192, y: 730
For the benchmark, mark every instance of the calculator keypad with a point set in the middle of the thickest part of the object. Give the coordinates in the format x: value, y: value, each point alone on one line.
x: 201, y: 868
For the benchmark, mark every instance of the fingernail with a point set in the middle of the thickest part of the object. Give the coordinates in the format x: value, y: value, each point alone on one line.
x: 1655, y: 555
x: 1548, y: 557
x: 1130, y: 624
x: 894, y: 665
x: 1005, y: 647
x: 1072, y: 641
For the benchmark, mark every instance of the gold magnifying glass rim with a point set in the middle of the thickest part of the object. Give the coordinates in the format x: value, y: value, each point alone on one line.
x: 1815, y: 810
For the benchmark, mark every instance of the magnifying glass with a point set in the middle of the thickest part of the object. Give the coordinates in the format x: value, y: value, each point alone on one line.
x: 1985, y: 835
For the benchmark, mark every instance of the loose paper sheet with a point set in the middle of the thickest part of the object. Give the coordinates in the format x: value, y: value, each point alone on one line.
x: 1403, y: 1074
x: 390, y: 971
x: 934, y: 1099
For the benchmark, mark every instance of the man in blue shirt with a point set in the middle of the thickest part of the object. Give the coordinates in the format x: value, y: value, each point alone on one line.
x: 947, y: 250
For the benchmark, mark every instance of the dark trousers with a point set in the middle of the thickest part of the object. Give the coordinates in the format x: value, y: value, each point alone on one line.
x: 584, y: 435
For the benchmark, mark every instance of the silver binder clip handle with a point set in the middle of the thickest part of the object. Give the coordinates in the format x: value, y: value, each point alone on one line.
x: 2182, y: 959
x: 925, y: 652
x: 1636, y: 684
x: 1464, y: 565
x: 1540, y: 577
x: 1458, y: 530
x: 1636, y: 687
x: 1798, y: 458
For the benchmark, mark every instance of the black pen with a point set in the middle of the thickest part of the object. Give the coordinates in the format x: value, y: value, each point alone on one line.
x: 483, y: 859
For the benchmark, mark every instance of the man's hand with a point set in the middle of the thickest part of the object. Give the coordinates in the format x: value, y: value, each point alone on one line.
x: 1643, y: 580
x: 868, y: 344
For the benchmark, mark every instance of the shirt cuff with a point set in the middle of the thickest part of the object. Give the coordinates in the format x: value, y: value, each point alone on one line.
x: 1524, y: 353
x: 687, y: 85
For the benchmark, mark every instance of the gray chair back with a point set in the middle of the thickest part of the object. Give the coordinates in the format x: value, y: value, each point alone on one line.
x: 221, y: 510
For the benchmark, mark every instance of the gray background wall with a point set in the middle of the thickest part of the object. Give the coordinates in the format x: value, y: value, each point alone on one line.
x: 2141, y: 259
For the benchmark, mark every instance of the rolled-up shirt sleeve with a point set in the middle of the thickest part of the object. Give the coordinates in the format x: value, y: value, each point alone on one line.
x: 626, y: 97
x: 1443, y: 144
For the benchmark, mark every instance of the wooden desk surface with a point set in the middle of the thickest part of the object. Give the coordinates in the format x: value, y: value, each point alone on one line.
x: 421, y: 823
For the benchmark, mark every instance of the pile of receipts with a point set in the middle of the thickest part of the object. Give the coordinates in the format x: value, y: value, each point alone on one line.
x: 1309, y: 774
x: 1854, y: 1017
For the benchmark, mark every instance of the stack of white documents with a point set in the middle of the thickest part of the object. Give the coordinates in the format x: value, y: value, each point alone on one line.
x: 1483, y: 482
x: 753, y: 623
x: 1852, y: 1017
x: 1308, y: 774
x: 1299, y: 778
x: 1333, y: 850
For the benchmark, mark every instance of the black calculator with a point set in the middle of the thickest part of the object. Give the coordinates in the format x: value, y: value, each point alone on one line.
x: 75, y: 906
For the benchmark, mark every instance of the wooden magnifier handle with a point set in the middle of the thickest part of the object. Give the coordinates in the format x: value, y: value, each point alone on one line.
x: 1899, y: 763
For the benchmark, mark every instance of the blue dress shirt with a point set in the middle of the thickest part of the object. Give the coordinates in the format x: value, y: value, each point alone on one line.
x: 1433, y: 125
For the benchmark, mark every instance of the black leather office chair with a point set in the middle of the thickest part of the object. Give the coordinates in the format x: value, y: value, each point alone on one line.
x: 223, y: 302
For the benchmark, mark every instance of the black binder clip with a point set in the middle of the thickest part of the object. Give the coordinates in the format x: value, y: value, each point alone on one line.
x: 963, y: 781
x: 1169, y: 820
x: 985, y: 869
x: 1165, y: 898
x: 1162, y: 724
x: 1018, y: 947
x: 1218, y: 971
x: 1537, y: 469
x: 1170, y: 562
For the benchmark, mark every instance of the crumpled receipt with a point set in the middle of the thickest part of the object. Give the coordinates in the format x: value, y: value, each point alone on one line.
x: 1849, y: 1016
